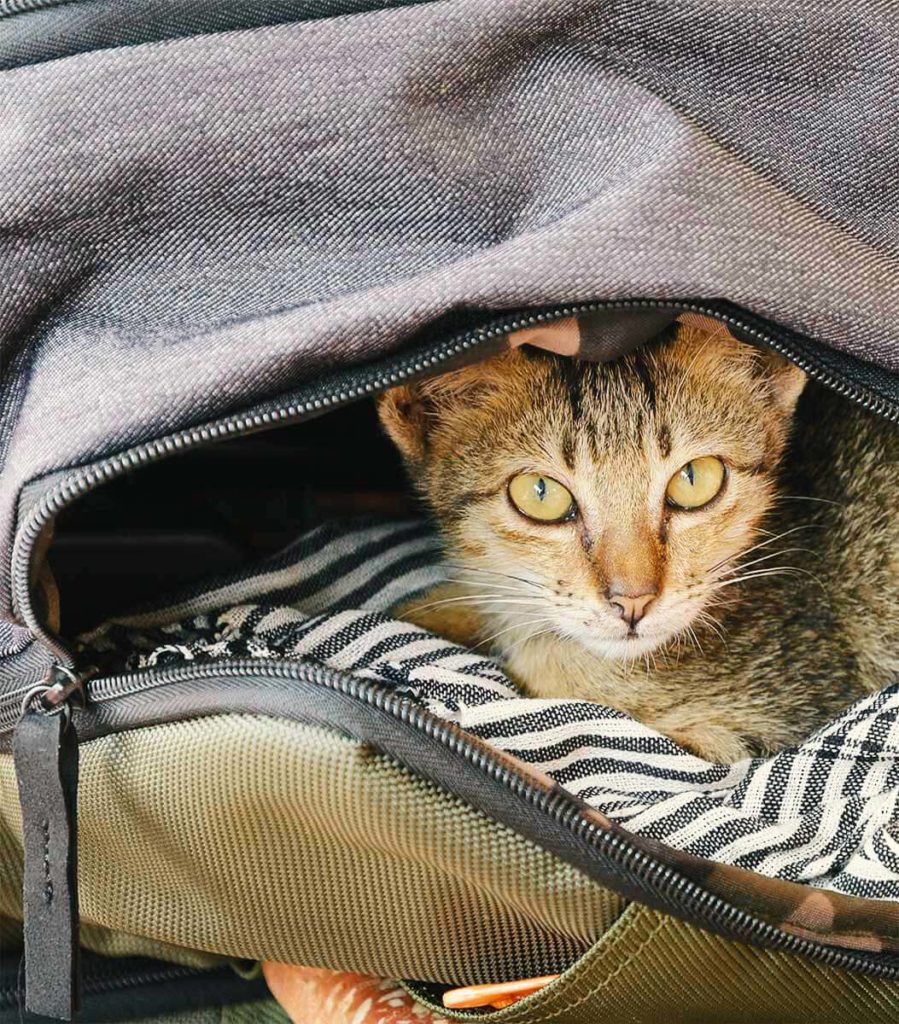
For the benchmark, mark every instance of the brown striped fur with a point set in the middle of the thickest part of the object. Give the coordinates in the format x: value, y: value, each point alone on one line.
x: 727, y: 670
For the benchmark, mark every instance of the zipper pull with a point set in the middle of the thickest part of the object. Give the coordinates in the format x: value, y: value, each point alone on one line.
x: 45, y: 751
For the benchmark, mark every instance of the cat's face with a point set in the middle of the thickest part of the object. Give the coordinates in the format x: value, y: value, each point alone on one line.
x: 607, y: 503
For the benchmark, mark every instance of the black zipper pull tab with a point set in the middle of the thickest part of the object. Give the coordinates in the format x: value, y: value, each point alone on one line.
x: 45, y: 750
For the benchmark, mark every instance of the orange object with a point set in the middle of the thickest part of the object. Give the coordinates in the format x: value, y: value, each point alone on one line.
x: 501, y: 1004
x: 497, y: 996
x: 312, y: 995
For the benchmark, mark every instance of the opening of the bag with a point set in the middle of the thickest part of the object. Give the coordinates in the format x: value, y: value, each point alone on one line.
x: 299, y: 542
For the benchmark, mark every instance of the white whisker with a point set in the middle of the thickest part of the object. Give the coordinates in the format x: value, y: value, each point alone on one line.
x: 515, y: 625
x: 482, y: 583
x: 695, y: 639
x: 806, y: 497
x: 530, y: 636
x: 493, y: 572
x: 713, y: 624
x: 777, y: 570
x: 772, y: 554
x: 763, y: 544
x: 476, y: 599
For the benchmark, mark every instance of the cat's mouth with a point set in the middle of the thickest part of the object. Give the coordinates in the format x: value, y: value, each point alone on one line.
x: 632, y: 645
x: 631, y: 642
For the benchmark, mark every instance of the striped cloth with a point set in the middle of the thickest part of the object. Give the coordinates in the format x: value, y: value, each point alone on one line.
x: 825, y: 812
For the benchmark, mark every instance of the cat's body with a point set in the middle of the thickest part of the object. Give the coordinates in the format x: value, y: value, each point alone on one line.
x: 728, y: 668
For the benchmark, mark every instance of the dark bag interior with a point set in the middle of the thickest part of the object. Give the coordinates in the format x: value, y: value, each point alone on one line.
x: 149, y: 534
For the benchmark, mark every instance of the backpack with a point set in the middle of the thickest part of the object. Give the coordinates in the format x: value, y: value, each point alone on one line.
x: 219, y: 223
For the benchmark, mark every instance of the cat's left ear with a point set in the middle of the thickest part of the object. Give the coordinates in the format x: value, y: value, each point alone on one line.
x: 786, y: 380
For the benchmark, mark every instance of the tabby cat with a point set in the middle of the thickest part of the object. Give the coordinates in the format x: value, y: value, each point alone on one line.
x: 632, y: 533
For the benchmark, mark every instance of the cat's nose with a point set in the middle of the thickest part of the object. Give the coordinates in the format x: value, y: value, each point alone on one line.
x: 631, y: 608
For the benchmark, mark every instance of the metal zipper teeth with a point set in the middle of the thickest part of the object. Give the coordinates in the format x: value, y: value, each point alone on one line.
x: 104, y: 984
x: 360, y: 383
x: 695, y: 901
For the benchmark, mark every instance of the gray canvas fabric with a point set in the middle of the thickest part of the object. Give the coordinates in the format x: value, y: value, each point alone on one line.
x: 195, y: 224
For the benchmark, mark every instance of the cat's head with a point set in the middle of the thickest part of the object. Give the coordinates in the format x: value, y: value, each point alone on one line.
x: 607, y: 503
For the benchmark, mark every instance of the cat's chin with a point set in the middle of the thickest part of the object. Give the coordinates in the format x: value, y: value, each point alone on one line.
x: 624, y: 649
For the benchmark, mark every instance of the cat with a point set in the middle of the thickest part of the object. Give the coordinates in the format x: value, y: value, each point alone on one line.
x: 630, y: 533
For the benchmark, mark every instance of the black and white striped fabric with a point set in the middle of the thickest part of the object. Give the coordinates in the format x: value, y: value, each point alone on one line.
x: 825, y: 812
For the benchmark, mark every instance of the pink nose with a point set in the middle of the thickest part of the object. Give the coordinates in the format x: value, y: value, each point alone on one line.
x: 631, y: 609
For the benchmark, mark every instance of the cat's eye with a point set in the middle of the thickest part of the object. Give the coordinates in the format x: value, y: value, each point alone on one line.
x: 696, y: 483
x: 540, y: 497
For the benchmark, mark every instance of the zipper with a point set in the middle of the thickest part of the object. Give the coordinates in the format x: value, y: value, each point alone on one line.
x: 696, y: 904
x: 355, y: 383
x: 113, y: 981
x: 360, y: 382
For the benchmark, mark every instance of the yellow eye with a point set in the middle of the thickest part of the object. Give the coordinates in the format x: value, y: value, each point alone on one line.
x: 540, y: 497
x: 695, y: 484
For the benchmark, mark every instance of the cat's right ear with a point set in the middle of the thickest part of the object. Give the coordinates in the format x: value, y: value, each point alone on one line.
x: 409, y: 412
x: 404, y: 416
